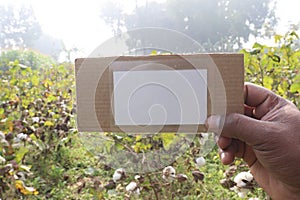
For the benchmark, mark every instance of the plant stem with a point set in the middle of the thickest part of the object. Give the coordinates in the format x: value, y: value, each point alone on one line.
x: 153, y: 187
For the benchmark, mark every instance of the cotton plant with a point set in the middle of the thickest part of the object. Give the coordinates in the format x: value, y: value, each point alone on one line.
x: 119, y: 174
x: 181, y: 178
x: 22, y: 136
x: 198, y: 176
x: 169, y: 173
x: 133, y: 188
x: 200, y: 161
x: 243, y: 184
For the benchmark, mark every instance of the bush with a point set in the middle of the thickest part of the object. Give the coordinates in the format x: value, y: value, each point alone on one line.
x: 36, y: 113
x: 276, y: 68
x: 28, y: 58
x: 43, y: 156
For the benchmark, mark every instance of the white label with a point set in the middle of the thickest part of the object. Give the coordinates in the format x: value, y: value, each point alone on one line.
x: 160, y: 97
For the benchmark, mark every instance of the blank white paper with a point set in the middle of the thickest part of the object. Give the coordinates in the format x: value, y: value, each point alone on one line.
x: 160, y: 97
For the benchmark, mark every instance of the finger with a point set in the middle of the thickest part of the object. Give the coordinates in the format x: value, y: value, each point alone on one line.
x: 262, y: 99
x: 241, y: 127
x: 227, y: 157
x: 233, y: 150
x: 248, y: 110
x: 224, y: 142
x: 244, y: 128
x: 249, y: 155
x: 240, y: 150
x: 255, y: 95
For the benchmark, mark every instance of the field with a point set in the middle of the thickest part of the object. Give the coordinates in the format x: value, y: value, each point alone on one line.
x: 42, y: 156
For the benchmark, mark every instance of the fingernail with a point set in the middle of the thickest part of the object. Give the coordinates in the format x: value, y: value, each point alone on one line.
x: 213, y: 123
x: 222, y: 155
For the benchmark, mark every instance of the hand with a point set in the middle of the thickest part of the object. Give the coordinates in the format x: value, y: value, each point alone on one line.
x: 267, y: 137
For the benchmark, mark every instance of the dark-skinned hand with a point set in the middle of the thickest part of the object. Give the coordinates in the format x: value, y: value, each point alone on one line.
x: 267, y: 137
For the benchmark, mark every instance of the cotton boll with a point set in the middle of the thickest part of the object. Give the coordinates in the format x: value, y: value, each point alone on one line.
x: 137, y: 191
x: 110, y: 185
x: 139, y: 179
x: 198, y: 176
x: 243, y: 193
x: 35, y: 119
x: 181, y: 178
x: 131, y: 186
x: 118, y: 174
x: 200, y: 162
x: 4, y: 142
x: 169, y: 173
x: 21, y: 176
x: 242, y: 179
x: 22, y: 136
x: 2, y: 160
x: 227, y: 183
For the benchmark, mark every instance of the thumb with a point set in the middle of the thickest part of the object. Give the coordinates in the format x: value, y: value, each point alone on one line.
x: 242, y: 127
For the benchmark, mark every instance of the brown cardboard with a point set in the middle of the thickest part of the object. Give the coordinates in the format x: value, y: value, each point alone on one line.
x: 94, y: 88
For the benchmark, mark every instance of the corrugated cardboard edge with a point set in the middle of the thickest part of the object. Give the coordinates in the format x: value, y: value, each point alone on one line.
x: 94, y: 91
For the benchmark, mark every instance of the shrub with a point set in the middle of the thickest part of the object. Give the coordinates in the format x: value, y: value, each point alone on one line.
x: 42, y: 156
x: 28, y: 58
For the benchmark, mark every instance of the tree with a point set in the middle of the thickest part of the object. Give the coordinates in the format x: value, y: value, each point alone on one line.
x: 18, y: 27
x: 49, y: 45
x: 218, y: 25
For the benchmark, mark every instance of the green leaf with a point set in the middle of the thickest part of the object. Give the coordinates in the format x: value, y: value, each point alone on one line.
x: 51, y: 98
x: 255, y: 51
x: 1, y: 111
x: 257, y: 46
x: 275, y: 58
x: 295, y: 87
x: 138, y: 138
x: 23, y: 66
x: 167, y: 139
x: 35, y: 80
x: 33, y: 137
x: 61, y: 69
x: 25, y: 168
x: 268, y: 81
x: 119, y: 146
x: 293, y: 33
x: 20, y: 154
x: 13, y: 81
x: 277, y: 38
x: 49, y: 123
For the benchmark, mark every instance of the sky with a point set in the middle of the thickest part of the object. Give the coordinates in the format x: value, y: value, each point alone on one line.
x: 79, y: 25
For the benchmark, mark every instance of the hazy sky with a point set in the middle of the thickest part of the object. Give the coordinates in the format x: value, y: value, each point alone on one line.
x: 78, y: 22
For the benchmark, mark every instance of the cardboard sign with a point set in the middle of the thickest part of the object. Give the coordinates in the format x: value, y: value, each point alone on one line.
x: 164, y: 93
